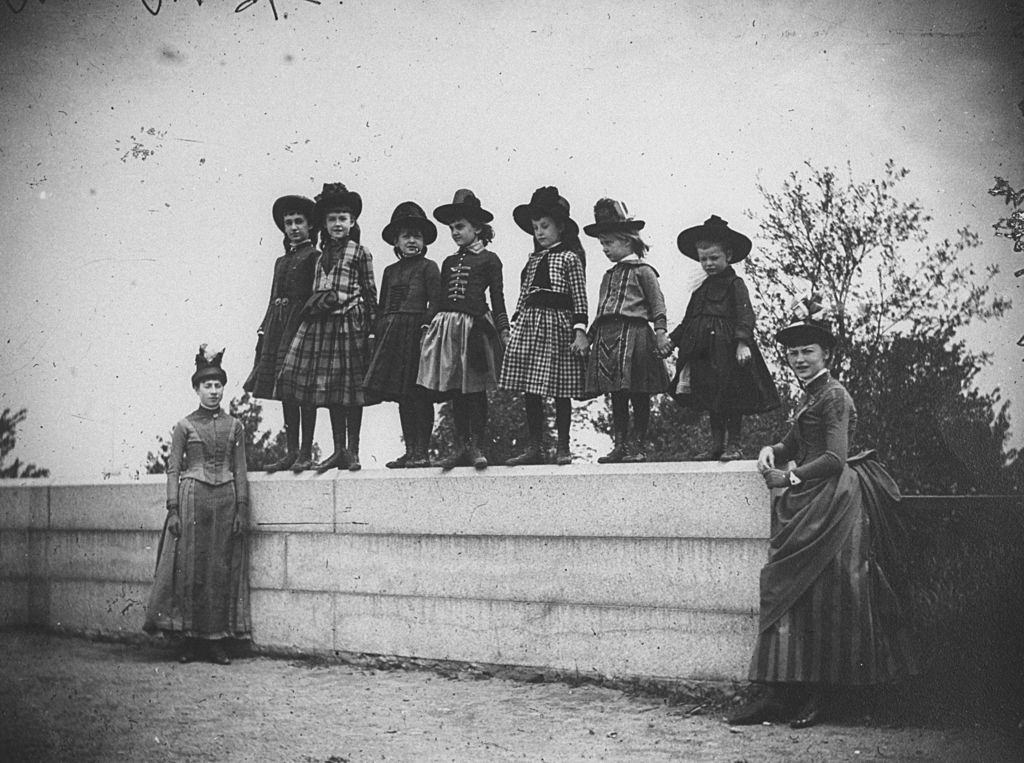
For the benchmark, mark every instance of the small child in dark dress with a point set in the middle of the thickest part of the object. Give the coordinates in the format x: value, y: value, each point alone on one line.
x: 326, y: 362
x: 409, y: 290
x: 291, y: 287
x: 463, y: 340
x: 719, y: 368
x: 625, y: 359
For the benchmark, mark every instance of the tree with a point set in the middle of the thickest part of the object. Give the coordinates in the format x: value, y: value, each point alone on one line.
x: 261, y: 448
x: 898, y: 306
x: 8, y: 438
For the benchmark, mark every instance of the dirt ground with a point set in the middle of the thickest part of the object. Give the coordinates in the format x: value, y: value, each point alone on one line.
x: 65, y: 698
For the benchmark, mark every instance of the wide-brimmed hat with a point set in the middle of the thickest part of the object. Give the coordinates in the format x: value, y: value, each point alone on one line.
x: 208, y: 366
x: 291, y: 204
x: 611, y: 216
x: 465, y: 205
x: 336, y: 195
x: 409, y: 214
x: 808, y: 324
x: 714, y: 229
x: 545, y: 202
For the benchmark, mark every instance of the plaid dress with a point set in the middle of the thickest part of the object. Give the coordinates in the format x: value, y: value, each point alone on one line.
x: 327, y: 360
x: 538, y: 359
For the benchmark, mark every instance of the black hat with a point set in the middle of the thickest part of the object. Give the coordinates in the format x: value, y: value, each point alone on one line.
x: 611, y: 216
x: 714, y: 229
x: 335, y: 195
x: 545, y: 202
x: 466, y: 205
x: 807, y: 325
x: 288, y: 205
x: 409, y: 214
x: 208, y: 366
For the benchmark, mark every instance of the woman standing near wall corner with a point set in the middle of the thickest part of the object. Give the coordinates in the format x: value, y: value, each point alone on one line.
x: 830, y: 618
x: 201, y: 591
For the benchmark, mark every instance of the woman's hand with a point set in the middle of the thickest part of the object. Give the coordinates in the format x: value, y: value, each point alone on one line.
x: 580, y: 344
x: 505, y: 335
x: 238, y: 525
x: 766, y: 459
x: 742, y: 353
x: 776, y: 478
x: 662, y: 343
x: 174, y: 525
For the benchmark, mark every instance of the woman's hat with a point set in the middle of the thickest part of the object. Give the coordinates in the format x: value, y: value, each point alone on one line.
x: 717, y: 230
x: 466, y: 205
x: 208, y: 366
x: 611, y: 216
x: 335, y: 196
x: 288, y: 205
x: 545, y: 202
x: 807, y: 325
x: 409, y: 214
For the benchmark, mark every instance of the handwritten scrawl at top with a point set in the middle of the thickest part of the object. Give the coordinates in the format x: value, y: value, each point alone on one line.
x: 154, y: 6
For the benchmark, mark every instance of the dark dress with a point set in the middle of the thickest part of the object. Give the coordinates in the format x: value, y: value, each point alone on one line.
x: 409, y: 288
x: 829, y: 614
x: 708, y: 377
x: 292, y: 286
x: 201, y: 588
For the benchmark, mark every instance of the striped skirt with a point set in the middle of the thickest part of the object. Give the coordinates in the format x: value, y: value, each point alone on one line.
x: 538, y: 359
x: 829, y: 615
x: 201, y: 588
x: 327, y: 360
x: 623, y: 358
x: 459, y: 353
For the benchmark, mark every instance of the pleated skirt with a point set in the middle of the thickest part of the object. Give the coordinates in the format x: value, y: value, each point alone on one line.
x: 201, y: 588
x: 396, y: 358
x: 623, y: 357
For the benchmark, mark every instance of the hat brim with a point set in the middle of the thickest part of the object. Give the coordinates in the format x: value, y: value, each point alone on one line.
x: 348, y: 200
x: 210, y: 372
x: 525, y: 214
x: 617, y: 226
x: 291, y: 204
x: 390, y: 232
x: 803, y: 334
x: 449, y: 213
x: 687, y: 241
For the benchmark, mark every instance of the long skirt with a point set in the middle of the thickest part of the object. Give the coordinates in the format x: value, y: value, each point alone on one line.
x: 326, y: 362
x: 201, y: 588
x: 396, y: 358
x: 623, y: 358
x: 709, y: 378
x: 278, y: 333
x: 459, y: 354
x: 829, y: 613
x: 538, y: 359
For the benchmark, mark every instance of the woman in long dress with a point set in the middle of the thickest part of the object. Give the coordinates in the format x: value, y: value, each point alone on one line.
x: 829, y: 615
x: 201, y: 591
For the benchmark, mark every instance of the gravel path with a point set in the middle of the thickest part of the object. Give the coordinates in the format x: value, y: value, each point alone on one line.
x: 71, y: 699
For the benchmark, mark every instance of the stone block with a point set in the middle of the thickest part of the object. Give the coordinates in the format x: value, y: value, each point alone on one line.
x: 292, y: 504
x: 24, y: 503
x: 108, y: 506
x: 680, y: 500
x: 100, y: 607
x: 267, y: 560
x: 102, y: 555
x: 14, y: 603
x: 293, y: 620
x: 695, y: 573
x: 658, y: 642
x: 15, y: 555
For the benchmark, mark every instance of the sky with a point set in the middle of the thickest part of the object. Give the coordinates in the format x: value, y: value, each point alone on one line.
x: 142, y: 145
